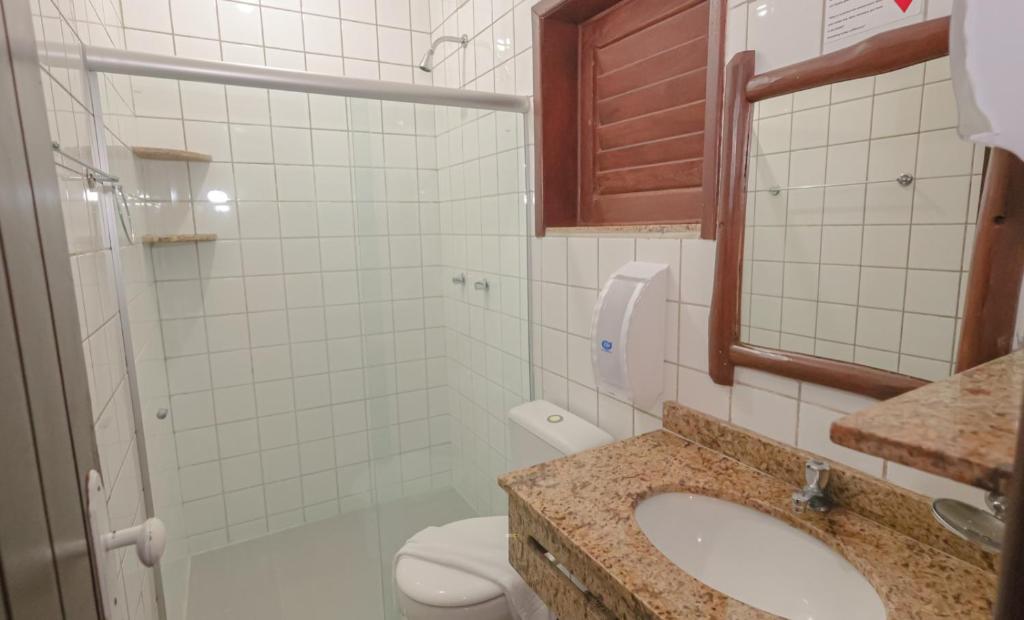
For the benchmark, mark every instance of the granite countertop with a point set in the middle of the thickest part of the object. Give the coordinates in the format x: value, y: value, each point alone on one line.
x: 174, y: 238
x: 581, y: 507
x: 963, y: 428
x: 683, y: 231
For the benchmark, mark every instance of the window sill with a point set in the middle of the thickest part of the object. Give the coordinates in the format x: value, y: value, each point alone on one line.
x: 671, y: 231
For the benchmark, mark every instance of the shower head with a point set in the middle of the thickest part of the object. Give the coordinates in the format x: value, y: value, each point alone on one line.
x: 427, y: 64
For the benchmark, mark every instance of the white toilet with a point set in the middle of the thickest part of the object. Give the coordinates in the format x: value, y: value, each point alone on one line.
x: 538, y: 432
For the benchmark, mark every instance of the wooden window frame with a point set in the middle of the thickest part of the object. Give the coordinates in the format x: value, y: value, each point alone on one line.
x: 558, y: 120
x: 997, y: 263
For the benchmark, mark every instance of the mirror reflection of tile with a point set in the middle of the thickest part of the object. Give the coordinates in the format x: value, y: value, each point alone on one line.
x: 842, y: 260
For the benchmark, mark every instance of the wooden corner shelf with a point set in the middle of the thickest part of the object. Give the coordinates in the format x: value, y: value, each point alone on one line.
x: 169, y: 239
x: 162, y: 154
x: 963, y: 428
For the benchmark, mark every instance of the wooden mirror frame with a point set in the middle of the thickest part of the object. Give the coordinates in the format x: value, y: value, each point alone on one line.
x: 997, y: 264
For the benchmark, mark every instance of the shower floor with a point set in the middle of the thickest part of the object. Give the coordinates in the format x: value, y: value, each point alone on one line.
x: 338, y: 568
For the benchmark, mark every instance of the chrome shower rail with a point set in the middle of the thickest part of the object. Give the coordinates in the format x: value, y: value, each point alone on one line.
x: 93, y: 175
x: 109, y: 60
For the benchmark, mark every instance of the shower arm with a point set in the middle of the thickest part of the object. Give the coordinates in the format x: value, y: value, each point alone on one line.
x: 427, y: 64
x: 463, y: 41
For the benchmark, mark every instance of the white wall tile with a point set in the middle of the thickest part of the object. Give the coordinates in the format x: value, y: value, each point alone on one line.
x: 850, y: 121
x: 240, y: 23
x: 813, y: 433
x: 146, y: 17
x: 662, y: 251
x: 697, y: 271
x: 321, y: 34
x: 697, y: 390
x: 554, y: 305
x: 930, y: 485
x: 693, y: 336
x: 943, y: 153
x: 767, y: 381
x: 896, y: 113
x: 783, y: 33
x: 615, y: 417
x: 582, y: 262
x: 204, y: 515
x: 199, y: 481
x: 767, y: 413
x: 613, y: 254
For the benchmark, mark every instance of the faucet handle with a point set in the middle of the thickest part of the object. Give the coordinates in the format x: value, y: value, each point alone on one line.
x: 817, y: 473
x: 813, y: 495
x: 997, y: 504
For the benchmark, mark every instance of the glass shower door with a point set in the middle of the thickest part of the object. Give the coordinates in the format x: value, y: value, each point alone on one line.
x: 330, y: 390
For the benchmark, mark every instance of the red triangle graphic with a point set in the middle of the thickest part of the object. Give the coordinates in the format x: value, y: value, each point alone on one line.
x: 904, y: 4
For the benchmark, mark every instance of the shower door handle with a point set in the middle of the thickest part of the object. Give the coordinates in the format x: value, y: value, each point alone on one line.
x: 149, y: 539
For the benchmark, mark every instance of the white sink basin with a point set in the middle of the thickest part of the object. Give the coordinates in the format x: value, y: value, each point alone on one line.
x: 756, y: 559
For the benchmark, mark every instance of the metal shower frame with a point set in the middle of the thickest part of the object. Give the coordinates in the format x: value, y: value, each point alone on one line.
x: 96, y: 60
x: 109, y: 60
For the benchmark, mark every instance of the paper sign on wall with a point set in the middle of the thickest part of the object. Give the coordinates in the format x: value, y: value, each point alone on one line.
x: 849, y: 18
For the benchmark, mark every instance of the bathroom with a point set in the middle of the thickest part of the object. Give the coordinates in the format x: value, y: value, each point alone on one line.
x: 312, y: 288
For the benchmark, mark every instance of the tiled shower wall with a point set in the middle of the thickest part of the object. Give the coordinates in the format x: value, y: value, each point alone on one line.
x: 374, y: 39
x: 279, y: 163
x: 60, y: 29
x: 304, y: 344
x: 568, y: 270
x: 484, y: 224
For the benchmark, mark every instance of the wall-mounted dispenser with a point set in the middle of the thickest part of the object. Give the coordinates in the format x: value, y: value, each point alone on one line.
x: 628, y: 350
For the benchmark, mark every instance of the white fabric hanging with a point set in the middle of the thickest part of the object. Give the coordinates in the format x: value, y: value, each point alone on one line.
x: 986, y: 53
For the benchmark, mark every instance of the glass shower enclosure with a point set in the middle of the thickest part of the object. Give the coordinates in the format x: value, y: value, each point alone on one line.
x: 330, y: 320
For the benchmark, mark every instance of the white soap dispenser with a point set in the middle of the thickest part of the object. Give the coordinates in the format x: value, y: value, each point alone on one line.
x: 628, y: 331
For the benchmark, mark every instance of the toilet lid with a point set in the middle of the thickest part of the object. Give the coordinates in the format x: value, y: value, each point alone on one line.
x: 442, y: 586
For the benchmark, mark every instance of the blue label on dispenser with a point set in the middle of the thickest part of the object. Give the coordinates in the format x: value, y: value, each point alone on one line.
x: 606, y: 345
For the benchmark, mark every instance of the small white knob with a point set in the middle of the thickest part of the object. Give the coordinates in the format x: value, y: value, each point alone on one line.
x: 149, y: 538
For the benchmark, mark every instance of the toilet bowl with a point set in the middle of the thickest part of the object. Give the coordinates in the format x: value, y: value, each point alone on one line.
x: 429, y: 590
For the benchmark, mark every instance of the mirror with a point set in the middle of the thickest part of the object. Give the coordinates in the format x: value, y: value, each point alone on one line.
x: 861, y: 210
x: 849, y: 213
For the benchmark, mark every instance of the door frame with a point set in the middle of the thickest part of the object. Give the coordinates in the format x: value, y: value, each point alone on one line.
x: 47, y: 440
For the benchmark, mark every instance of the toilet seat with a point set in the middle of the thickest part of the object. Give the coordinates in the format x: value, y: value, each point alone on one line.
x: 427, y: 590
x: 494, y: 609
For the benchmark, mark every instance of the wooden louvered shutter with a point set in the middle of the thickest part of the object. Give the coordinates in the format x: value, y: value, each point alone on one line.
x: 648, y: 105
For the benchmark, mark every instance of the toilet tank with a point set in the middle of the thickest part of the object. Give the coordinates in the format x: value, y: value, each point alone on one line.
x: 540, y: 431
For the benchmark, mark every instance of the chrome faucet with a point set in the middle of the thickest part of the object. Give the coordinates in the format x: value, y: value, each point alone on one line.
x: 814, y: 495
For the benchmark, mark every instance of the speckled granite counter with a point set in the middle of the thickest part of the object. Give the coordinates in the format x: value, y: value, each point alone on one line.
x: 186, y: 238
x: 963, y: 428
x: 580, y: 509
x: 683, y: 231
